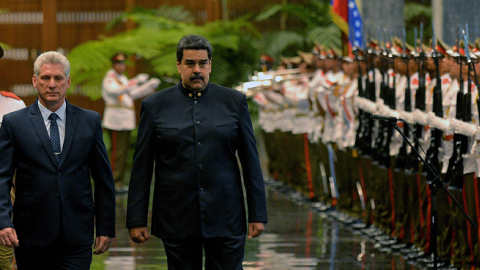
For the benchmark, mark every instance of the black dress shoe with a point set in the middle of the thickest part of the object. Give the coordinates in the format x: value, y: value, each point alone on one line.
x: 432, y: 265
x: 415, y: 255
x: 427, y: 259
x: 388, y: 242
x: 449, y: 267
x: 410, y: 249
x: 322, y: 207
x: 359, y: 225
x: 368, y: 229
x: 399, y: 246
x: 382, y: 237
x: 347, y: 220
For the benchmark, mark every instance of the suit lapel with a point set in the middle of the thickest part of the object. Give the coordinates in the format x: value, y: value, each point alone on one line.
x: 70, y: 128
x: 39, y: 126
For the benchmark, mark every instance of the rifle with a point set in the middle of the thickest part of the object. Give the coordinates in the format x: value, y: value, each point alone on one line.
x: 370, y: 94
x: 389, y: 100
x: 382, y: 125
x: 436, y: 141
x: 412, y: 163
x: 402, y: 154
x: 460, y: 142
x: 362, y: 120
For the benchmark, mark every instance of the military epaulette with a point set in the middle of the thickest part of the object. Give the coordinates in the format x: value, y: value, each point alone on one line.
x: 9, y: 94
x: 415, y: 82
x: 446, y: 81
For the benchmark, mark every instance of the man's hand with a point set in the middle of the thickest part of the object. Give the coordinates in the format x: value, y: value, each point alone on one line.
x: 255, y: 229
x: 139, y: 235
x: 8, y: 238
x: 102, y: 244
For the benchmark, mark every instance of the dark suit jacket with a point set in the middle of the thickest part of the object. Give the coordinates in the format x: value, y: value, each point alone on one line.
x: 193, y: 142
x: 48, y: 195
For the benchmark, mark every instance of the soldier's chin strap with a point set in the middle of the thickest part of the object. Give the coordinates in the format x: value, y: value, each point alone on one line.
x: 434, y: 186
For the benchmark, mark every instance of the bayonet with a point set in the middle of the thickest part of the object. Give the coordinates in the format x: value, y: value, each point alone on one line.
x: 421, y: 38
x: 415, y: 40
x: 436, y: 142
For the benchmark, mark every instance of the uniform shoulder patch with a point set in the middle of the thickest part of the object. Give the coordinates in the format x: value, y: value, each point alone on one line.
x: 10, y: 95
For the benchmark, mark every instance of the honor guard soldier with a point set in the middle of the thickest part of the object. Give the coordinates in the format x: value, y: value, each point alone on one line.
x: 119, y: 117
x: 474, y: 213
x: 317, y: 88
x: 9, y: 102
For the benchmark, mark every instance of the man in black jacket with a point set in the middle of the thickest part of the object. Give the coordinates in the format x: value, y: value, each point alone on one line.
x: 193, y: 133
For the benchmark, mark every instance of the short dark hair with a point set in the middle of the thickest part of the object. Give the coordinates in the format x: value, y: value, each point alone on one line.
x: 193, y: 42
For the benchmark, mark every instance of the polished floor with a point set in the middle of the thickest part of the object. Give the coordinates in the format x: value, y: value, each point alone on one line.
x: 297, y: 237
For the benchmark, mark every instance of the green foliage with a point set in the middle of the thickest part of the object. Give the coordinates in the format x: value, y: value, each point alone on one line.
x: 269, y: 12
x: 316, y: 27
x: 164, y: 17
x: 154, y: 42
x: 309, y: 13
x: 329, y: 35
x: 414, y: 11
x: 416, y: 14
x: 285, y: 43
x: 5, y: 46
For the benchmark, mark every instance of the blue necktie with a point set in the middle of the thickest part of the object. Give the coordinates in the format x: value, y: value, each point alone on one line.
x: 55, y: 135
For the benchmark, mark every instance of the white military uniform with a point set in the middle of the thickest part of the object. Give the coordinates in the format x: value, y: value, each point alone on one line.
x: 119, y: 117
x: 119, y: 93
x: 9, y: 102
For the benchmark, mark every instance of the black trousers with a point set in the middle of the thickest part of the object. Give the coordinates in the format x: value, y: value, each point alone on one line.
x: 223, y: 253
x: 59, y: 256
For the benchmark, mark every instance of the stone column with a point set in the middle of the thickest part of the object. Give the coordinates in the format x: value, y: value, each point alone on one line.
x: 384, y: 15
x: 448, y: 15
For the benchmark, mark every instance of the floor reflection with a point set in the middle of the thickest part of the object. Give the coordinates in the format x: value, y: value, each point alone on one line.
x: 297, y: 237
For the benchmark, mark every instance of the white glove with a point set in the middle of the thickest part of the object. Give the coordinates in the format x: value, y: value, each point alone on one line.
x: 154, y: 82
x: 391, y: 113
x: 141, y: 78
x: 437, y: 122
x: 420, y: 117
x: 466, y: 129
x: 365, y: 104
x: 477, y: 134
x: 145, y: 89
x: 452, y: 126
x: 379, y: 103
x: 359, y: 103
x: 407, y: 116
x: 381, y: 109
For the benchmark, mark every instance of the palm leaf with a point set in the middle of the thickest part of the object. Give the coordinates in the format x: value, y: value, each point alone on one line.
x: 5, y: 46
x: 154, y: 43
x: 164, y: 17
x: 269, y: 12
x: 413, y: 10
x: 309, y: 13
x: 176, y: 13
x: 325, y: 35
x: 275, y: 43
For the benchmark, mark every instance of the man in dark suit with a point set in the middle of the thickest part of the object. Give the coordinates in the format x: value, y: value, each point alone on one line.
x: 54, y: 148
x: 192, y: 133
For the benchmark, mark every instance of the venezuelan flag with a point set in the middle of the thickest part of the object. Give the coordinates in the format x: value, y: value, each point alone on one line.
x: 346, y: 15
